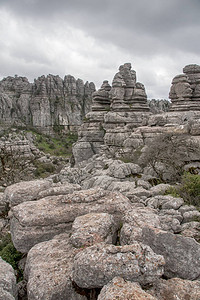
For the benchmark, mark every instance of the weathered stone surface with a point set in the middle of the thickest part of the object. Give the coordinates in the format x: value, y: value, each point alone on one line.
x: 185, y: 89
x: 95, y: 266
x: 182, y: 254
x: 48, y: 270
x: 191, y: 229
x: 93, y: 228
x: 25, y: 191
x: 36, y: 221
x: 176, y: 288
x: 60, y: 189
x: 159, y: 189
x: 120, y: 289
x: 49, y: 102
x: 121, y: 170
x: 134, y: 221
x: 8, y: 287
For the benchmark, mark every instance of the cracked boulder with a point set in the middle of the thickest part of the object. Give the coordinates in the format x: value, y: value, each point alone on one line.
x: 48, y: 270
x: 95, y: 266
x: 36, y: 221
x: 182, y: 254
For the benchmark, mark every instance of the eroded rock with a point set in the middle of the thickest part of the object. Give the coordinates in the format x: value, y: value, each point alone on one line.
x: 48, y: 270
x: 95, y: 266
x: 120, y: 289
x: 8, y: 287
x: 36, y: 221
x: 93, y: 228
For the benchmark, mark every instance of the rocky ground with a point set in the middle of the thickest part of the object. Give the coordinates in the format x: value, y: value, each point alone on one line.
x: 100, y: 230
x: 105, y: 227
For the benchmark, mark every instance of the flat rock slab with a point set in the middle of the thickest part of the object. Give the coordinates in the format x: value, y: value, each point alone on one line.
x: 95, y: 266
x: 36, y: 221
x: 8, y: 287
x: 182, y: 254
x: 176, y: 288
x: 93, y: 228
x: 25, y: 191
x: 121, y: 289
x: 48, y: 270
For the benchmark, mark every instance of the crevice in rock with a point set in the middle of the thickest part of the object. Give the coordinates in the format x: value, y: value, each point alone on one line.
x: 90, y: 294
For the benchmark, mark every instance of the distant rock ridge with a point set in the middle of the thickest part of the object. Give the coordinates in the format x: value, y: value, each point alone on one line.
x: 49, y: 103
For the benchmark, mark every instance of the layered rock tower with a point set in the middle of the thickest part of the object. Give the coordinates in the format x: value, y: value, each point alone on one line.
x: 121, y: 123
x: 185, y: 89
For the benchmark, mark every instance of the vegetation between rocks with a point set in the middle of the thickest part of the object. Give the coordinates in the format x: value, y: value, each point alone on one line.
x: 9, y: 253
x: 188, y: 189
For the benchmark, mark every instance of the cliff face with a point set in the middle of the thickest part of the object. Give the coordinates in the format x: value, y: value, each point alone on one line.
x: 50, y: 103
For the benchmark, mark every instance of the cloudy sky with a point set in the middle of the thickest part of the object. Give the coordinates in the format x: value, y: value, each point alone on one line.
x: 89, y: 39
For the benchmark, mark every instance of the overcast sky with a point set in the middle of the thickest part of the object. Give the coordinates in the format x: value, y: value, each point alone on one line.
x: 89, y: 39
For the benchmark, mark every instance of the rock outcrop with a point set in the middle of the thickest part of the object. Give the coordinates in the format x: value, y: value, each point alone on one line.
x: 185, y: 90
x: 122, y: 122
x: 8, y: 287
x: 49, y: 104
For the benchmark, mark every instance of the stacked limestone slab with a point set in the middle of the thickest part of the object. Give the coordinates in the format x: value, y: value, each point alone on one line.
x: 121, y: 122
x: 116, y: 110
x: 185, y: 90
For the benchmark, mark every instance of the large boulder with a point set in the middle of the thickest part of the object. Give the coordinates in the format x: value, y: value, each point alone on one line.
x: 95, y: 266
x: 8, y: 287
x: 36, y: 221
x: 120, y: 289
x: 48, y: 270
x: 181, y: 253
x: 25, y: 191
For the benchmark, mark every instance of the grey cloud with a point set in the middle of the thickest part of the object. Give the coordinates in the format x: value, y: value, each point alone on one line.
x: 129, y: 30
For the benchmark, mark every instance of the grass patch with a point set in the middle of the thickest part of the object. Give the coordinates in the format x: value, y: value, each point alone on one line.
x: 56, y: 146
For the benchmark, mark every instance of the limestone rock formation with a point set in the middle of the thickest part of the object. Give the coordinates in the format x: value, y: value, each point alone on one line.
x: 122, y: 121
x: 185, y: 90
x: 36, y: 221
x: 93, y: 228
x: 96, y: 265
x: 50, y: 103
x: 115, y: 112
x: 49, y: 274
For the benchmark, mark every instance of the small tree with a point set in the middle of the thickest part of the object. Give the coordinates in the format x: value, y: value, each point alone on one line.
x: 167, y: 154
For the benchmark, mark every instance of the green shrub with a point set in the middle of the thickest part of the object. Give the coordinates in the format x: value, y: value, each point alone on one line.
x: 173, y: 191
x: 11, y: 255
x: 190, y: 189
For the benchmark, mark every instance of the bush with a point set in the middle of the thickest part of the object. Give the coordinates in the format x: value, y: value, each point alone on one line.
x: 11, y: 255
x: 167, y: 155
x: 189, y: 189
